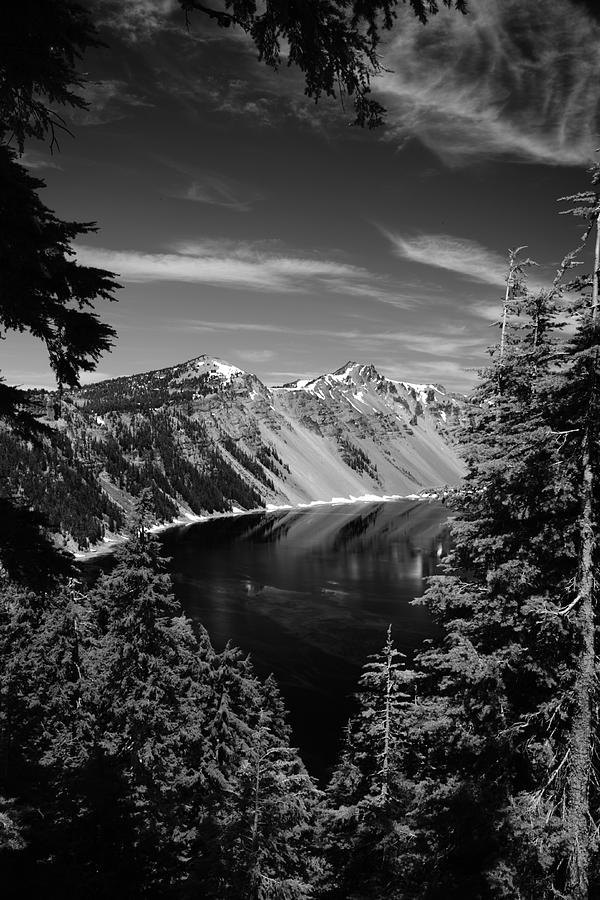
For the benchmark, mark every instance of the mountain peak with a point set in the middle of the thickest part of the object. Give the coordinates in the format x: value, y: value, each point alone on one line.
x: 213, y: 367
x: 221, y: 439
x: 351, y: 364
x: 354, y: 371
x: 216, y: 363
x: 350, y: 372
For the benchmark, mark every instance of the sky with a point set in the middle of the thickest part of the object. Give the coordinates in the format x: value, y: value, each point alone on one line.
x: 248, y: 223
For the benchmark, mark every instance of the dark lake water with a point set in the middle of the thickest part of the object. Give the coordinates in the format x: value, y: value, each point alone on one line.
x: 309, y: 594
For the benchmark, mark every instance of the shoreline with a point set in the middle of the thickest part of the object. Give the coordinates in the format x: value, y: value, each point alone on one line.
x: 109, y: 545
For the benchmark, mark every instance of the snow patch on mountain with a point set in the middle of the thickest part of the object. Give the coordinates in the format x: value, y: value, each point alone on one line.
x: 226, y: 370
x: 350, y: 433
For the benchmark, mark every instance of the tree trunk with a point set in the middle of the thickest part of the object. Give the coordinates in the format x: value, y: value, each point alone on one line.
x: 505, y: 307
x: 254, y: 871
x: 577, y: 813
x: 596, y: 271
x: 385, y: 768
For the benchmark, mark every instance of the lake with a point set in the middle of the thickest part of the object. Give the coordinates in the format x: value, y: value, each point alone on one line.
x: 309, y: 593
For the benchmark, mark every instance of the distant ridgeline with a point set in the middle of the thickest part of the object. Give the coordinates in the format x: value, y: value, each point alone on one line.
x: 207, y: 437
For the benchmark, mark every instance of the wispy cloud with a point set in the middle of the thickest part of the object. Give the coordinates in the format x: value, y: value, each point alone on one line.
x: 489, y: 312
x: 203, y: 265
x: 279, y: 375
x: 136, y: 20
x: 203, y: 325
x: 440, y: 344
x: 244, y: 267
x: 511, y: 78
x: 33, y: 159
x: 108, y: 101
x: 461, y: 377
x: 442, y: 251
x: 398, y: 297
x: 237, y: 270
x: 211, y: 188
x: 266, y: 328
x: 215, y: 192
x: 453, y: 341
x: 208, y: 68
x: 255, y: 356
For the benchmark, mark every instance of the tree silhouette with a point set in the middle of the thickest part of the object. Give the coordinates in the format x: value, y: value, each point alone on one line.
x: 334, y: 44
x: 41, y: 42
x: 43, y: 290
x: 363, y: 822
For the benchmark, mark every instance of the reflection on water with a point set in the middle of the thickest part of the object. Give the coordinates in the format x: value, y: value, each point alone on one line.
x: 310, y: 593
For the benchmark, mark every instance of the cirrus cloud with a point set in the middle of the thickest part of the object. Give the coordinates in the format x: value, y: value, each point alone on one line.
x: 244, y: 267
x: 513, y: 79
x: 442, y: 251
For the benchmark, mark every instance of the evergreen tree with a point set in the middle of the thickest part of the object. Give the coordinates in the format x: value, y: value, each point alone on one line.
x: 141, y: 762
x: 10, y: 833
x: 501, y: 751
x: 236, y: 699
x: 577, y: 409
x: 576, y: 406
x: 43, y: 291
x: 41, y: 42
x: 362, y: 823
x: 267, y: 815
x: 141, y: 710
x: 47, y: 734
x: 334, y: 45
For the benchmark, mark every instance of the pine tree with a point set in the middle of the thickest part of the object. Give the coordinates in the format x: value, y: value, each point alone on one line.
x: 362, y: 823
x: 578, y: 409
x: 47, y: 734
x: 267, y: 815
x: 574, y: 409
x: 11, y: 837
x: 236, y: 699
x: 43, y: 291
x: 502, y: 731
x: 335, y: 46
x: 143, y: 710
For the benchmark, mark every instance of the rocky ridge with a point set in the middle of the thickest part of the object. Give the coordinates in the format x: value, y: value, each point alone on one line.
x: 207, y: 436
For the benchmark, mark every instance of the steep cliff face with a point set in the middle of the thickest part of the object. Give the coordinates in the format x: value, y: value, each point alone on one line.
x: 205, y: 436
x: 392, y: 437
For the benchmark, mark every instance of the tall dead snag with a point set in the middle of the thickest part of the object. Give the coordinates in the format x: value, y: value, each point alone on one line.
x: 596, y: 275
x: 578, y: 817
x: 516, y: 289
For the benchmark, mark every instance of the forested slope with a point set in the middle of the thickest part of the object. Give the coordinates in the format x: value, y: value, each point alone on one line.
x: 206, y: 437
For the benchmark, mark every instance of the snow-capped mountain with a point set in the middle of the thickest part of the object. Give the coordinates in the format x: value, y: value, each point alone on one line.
x: 393, y: 435
x: 205, y: 435
x: 368, y: 392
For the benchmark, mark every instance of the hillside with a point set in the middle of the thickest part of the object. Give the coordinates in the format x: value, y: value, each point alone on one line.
x: 206, y: 437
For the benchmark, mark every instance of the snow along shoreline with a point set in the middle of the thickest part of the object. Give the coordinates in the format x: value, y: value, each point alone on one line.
x: 110, y: 544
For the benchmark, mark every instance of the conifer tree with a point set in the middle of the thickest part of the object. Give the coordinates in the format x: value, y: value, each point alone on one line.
x: 576, y: 406
x: 234, y: 704
x: 578, y: 410
x: 334, y: 45
x: 267, y: 815
x: 503, y: 727
x: 43, y: 291
x: 10, y: 833
x: 47, y: 733
x: 363, y: 813
x: 141, y: 715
